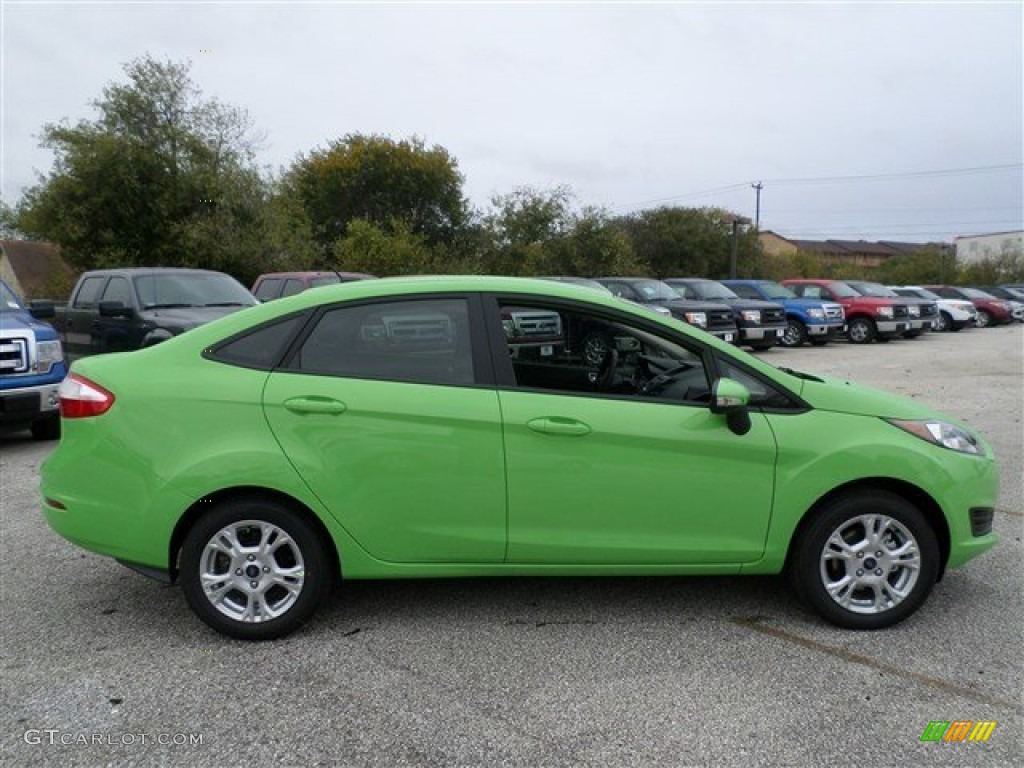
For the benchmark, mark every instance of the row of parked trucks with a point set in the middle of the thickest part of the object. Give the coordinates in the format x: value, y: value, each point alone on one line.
x: 118, y: 310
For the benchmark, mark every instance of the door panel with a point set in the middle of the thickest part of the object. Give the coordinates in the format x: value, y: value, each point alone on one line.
x: 647, y: 483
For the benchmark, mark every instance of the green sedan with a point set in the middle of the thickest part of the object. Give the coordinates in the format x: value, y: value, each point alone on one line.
x: 463, y: 426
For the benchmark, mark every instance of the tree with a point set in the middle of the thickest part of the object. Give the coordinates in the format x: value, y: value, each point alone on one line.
x: 524, y: 227
x: 681, y: 242
x: 159, y: 177
x: 380, y: 181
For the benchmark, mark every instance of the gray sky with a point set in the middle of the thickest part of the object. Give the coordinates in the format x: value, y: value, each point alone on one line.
x: 630, y: 105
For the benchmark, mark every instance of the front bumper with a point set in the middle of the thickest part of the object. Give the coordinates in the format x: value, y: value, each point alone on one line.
x: 892, y: 326
x: 28, y: 404
x: 824, y: 329
x: 762, y: 333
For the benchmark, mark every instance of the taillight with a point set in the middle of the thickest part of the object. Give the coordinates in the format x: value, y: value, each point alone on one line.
x: 80, y: 397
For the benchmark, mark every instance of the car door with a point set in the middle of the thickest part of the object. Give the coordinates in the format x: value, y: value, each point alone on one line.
x: 384, y: 411
x: 602, y: 471
x: 118, y: 334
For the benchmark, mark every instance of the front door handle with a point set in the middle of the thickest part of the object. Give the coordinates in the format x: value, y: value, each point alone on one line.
x: 314, y: 404
x: 559, y: 425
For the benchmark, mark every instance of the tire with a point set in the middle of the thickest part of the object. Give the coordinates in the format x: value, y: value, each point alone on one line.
x: 594, y: 349
x: 861, y: 330
x: 46, y: 429
x: 865, y: 528
x: 794, y: 335
x: 984, y: 319
x: 944, y: 322
x: 276, y: 606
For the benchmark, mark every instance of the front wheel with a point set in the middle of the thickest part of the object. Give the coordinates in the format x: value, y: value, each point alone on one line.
x: 861, y: 330
x: 795, y: 333
x: 944, y: 322
x: 868, y: 560
x: 254, y: 569
x: 984, y: 319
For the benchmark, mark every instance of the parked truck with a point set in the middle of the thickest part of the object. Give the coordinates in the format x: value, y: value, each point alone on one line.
x: 868, y: 318
x: 32, y: 366
x: 118, y: 310
x: 760, y: 323
x: 814, y: 320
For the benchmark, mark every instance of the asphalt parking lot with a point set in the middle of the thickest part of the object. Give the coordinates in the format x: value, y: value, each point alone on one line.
x: 656, y: 671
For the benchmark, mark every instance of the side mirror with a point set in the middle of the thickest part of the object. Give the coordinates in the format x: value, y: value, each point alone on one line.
x: 730, y: 398
x: 114, y: 309
x: 42, y: 309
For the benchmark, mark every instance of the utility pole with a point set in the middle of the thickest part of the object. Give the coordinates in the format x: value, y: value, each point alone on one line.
x: 757, y: 210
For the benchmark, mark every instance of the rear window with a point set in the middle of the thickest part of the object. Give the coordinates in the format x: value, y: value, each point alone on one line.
x: 260, y: 348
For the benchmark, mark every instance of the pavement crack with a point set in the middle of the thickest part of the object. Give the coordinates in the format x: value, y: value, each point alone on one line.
x: 755, y: 624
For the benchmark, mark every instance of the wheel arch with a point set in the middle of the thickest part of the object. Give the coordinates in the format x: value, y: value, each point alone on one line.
x: 907, y: 491
x: 236, y: 493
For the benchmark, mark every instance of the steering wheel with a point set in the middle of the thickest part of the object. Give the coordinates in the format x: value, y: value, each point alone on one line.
x: 605, y: 375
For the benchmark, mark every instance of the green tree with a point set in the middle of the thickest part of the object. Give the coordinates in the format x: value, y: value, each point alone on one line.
x: 161, y: 176
x: 386, y: 183
x: 931, y: 264
x: 524, y: 228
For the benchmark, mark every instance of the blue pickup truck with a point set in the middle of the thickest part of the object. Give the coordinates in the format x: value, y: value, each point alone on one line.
x: 32, y: 366
x: 811, y: 320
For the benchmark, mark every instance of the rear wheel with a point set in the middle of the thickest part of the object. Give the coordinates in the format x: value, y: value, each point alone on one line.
x: 795, y: 333
x: 861, y: 330
x: 254, y: 569
x: 867, y: 561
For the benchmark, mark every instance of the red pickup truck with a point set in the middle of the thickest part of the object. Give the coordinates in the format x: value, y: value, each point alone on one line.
x: 867, y: 317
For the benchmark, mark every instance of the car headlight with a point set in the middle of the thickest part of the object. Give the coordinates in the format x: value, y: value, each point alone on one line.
x: 699, y: 319
x: 884, y: 312
x: 751, y: 316
x: 817, y: 314
x: 941, y: 433
x: 48, y: 354
x: 915, y: 310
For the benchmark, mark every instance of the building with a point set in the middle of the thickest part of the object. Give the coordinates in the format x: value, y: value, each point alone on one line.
x: 858, y: 253
x: 975, y: 248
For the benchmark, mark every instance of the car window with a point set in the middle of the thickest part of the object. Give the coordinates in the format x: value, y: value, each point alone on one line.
x: 261, y: 348
x: 425, y: 341
x: 292, y: 286
x: 118, y: 289
x: 316, y: 282
x: 573, y: 352
x: 762, y: 393
x: 89, y: 291
x: 622, y: 291
x: 745, y: 291
x: 269, y: 288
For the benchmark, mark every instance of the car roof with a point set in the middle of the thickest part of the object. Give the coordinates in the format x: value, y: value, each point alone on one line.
x: 315, y: 273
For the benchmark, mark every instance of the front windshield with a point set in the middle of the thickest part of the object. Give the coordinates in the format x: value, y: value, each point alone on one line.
x: 654, y: 290
x: 316, y: 282
x: 843, y: 291
x: 8, y: 300
x: 776, y: 291
x: 874, y: 289
x: 191, y: 289
x: 710, y: 290
x: 974, y: 293
x: 924, y: 293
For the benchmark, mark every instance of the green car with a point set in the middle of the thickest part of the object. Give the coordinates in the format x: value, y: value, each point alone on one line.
x: 458, y: 426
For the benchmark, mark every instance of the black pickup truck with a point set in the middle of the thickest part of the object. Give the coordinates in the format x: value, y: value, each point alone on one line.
x: 117, y: 310
x: 714, y: 317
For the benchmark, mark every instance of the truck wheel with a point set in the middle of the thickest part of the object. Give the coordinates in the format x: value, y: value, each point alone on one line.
x: 254, y: 569
x: 944, y: 322
x: 861, y: 330
x: 46, y: 429
x: 867, y: 560
x: 795, y: 333
x: 984, y: 319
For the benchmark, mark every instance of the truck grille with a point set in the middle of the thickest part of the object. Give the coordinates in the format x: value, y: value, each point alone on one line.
x: 537, y: 324
x: 773, y: 316
x: 900, y: 310
x: 720, y: 318
x: 13, y: 356
x: 834, y: 312
x: 930, y: 310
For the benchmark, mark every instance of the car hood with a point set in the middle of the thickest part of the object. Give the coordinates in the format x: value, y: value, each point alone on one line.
x: 18, y: 320
x: 690, y: 305
x: 840, y: 396
x: 187, y: 317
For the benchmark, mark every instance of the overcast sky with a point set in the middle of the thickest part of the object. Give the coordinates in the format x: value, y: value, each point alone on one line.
x: 630, y: 105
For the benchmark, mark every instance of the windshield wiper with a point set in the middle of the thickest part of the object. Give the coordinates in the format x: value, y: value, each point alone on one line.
x: 802, y: 375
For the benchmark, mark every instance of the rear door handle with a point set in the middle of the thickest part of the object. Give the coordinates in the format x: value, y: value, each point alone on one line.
x: 559, y: 425
x: 314, y: 404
